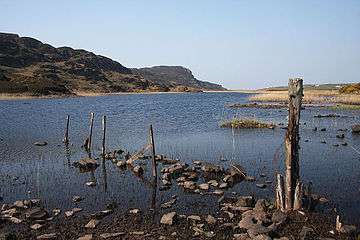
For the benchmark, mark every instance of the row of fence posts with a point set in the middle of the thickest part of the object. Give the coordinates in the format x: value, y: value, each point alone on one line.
x: 88, y: 141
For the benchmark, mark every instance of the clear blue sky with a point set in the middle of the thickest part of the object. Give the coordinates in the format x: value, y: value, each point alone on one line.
x: 240, y: 44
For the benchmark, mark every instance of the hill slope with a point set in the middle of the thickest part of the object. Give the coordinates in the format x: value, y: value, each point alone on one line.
x: 32, y: 67
x: 175, y: 76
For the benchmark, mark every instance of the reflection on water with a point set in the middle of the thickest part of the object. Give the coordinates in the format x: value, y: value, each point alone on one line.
x: 186, y: 126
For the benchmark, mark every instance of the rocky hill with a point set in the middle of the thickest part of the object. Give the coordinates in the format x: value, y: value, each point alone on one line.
x: 175, y: 77
x: 28, y: 66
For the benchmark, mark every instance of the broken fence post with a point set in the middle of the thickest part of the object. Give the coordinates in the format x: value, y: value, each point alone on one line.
x: 89, y: 142
x: 154, y: 168
x: 280, y: 197
x: 104, y: 135
x: 298, y: 196
x: 66, y: 137
x: 292, y: 141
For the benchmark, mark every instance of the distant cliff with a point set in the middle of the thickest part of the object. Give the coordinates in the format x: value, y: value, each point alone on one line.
x: 32, y: 67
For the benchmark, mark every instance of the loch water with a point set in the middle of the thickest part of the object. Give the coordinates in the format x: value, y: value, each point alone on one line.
x: 186, y: 127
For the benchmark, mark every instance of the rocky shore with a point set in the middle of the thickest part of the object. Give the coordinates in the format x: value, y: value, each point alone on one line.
x: 237, y: 217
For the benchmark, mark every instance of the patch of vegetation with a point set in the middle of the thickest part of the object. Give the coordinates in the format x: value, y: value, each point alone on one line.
x: 257, y: 105
x: 350, y: 89
x: 344, y: 107
x: 245, y: 123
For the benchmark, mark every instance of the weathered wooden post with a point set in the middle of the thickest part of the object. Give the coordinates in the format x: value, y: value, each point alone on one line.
x: 104, y: 135
x: 292, y: 141
x: 66, y: 137
x: 88, y: 147
x: 154, y: 168
x: 280, y: 198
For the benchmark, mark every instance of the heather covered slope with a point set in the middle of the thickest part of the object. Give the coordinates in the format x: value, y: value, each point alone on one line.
x: 28, y: 66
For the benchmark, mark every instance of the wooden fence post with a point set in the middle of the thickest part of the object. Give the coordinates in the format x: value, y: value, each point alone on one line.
x: 292, y: 141
x: 154, y: 169
x: 90, y: 132
x: 104, y: 135
x: 280, y: 198
x: 66, y: 137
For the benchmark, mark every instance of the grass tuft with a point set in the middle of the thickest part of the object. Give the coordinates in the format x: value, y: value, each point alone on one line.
x: 245, y: 123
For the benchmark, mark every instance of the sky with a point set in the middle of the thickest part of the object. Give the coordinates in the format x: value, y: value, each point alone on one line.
x: 239, y: 44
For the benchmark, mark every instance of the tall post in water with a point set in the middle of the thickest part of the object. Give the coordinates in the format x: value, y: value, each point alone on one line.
x: 89, y: 143
x: 104, y: 135
x: 66, y: 137
x: 292, y: 142
x: 151, y: 133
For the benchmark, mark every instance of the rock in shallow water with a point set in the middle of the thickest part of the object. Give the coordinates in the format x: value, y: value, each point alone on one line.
x: 40, y: 143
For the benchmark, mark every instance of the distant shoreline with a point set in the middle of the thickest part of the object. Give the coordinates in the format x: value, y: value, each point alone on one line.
x: 7, y: 96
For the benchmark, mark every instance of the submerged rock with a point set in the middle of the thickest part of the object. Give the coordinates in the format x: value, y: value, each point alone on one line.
x: 261, y: 185
x: 211, y: 168
x: 355, y: 128
x: 40, y: 143
x: 86, y: 164
x: 36, y: 214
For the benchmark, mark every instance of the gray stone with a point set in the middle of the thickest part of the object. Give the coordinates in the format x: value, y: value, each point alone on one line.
x: 211, y: 168
x: 77, y: 199
x: 121, y: 164
x: 138, y: 169
x: 194, y: 218
x: 262, y: 237
x: 210, y: 220
x: 92, y: 223
x: 204, y: 186
x: 40, y: 143
x: 36, y: 214
x: 111, y: 235
x: 261, y: 185
x: 190, y: 185
x: 355, y: 128
x: 47, y: 236
x: 86, y: 237
x: 168, y: 218
x: 245, y: 201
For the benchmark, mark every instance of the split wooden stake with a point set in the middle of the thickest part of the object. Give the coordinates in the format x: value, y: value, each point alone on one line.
x: 66, y: 137
x: 292, y: 141
x: 154, y: 168
x: 89, y: 142
x: 104, y: 135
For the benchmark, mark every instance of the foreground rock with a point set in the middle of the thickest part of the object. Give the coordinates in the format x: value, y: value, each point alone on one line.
x: 86, y: 164
x: 168, y: 219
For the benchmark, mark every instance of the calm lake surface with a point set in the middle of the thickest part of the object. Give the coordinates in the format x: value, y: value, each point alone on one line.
x: 186, y: 127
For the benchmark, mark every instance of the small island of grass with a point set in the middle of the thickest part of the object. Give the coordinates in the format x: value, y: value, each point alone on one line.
x: 245, y: 123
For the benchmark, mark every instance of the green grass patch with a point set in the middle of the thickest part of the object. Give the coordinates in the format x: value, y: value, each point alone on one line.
x: 245, y: 123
